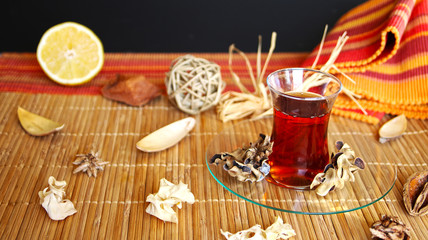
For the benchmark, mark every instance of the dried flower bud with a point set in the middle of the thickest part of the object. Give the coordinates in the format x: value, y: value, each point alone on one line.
x: 415, y: 194
x: 389, y: 228
x: 341, y: 169
x: 248, y: 163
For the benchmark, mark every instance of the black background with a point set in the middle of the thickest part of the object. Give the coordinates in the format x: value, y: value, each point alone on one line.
x: 175, y: 26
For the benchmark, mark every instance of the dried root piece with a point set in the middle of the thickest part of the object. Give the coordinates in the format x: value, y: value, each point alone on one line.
x: 248, y: 163
x: 415, y: 194
x: 278, y: 230
x: 169, y: 195
x: 52, y: 200
x: 89, y: 163
x: 341, y: 169
x: 257, y: 104
x: 389, y: 228
x: 392, y: 129
x: 37, y: 125
x: 134, y: 91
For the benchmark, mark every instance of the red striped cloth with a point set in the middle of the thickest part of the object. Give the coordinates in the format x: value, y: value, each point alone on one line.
x: 20, y: 72
x: 386, y: 54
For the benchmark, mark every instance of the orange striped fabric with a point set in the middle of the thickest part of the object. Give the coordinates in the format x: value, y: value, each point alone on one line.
x: 20, y: 72
x: 386, y: 54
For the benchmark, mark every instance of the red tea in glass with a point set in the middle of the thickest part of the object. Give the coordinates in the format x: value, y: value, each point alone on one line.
x: 300, y: 149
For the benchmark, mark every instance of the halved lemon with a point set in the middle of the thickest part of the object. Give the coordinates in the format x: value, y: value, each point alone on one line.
x: 70, y: 53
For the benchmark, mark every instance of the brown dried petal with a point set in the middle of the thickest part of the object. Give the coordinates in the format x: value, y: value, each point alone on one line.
x: 342, y: 168
x: 135, y: 91
x: 248, y: 163
x: 389, y: 228
x: 415, y: 194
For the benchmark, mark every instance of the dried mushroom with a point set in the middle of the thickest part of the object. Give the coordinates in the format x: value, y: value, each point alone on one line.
x: 37, y: 125
x: 89, y: 163
x: 389, y: 228
x: 134, y: 90
x: 392, y: 129
x: 248, y: 163
x: 52, y: 200
x: 415, y: 194
x: 278, y: 230
x: 341, y: 169
x: 169, y: 195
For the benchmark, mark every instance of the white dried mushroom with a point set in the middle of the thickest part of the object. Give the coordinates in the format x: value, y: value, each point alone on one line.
x: 169, y: 195
x: 52, y: 200
x: 278, y: 230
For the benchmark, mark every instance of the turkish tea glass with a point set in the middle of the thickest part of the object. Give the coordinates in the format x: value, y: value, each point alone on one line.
x: 302, y: 101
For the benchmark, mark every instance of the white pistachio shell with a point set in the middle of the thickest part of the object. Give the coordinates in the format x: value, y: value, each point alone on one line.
x: 167, y: 136
x: 37, y: 125
x: 393, y: 128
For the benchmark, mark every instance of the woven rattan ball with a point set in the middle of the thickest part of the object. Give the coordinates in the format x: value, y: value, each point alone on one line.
x: 194, y: 84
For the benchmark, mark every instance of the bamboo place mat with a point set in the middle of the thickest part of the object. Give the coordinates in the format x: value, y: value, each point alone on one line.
x: 112, y: 206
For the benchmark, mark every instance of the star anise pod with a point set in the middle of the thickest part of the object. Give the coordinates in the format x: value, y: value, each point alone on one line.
x: 89, y: 163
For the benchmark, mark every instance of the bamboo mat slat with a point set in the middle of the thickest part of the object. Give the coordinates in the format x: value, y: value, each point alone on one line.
x: 112, y: 206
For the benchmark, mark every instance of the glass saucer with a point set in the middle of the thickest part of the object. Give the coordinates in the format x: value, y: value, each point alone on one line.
x: 371, y: 184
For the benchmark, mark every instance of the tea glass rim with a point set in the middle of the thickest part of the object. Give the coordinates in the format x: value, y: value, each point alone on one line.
x: 304, y: 98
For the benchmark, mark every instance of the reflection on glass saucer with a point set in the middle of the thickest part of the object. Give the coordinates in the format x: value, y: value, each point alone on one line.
x: 371, y: 184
